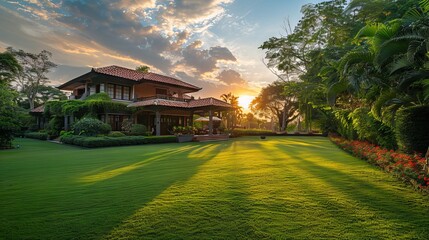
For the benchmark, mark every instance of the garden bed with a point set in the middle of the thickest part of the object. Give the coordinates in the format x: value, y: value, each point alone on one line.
x: 409, y: 168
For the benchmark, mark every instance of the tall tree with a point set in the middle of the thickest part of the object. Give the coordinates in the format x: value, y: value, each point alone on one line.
x: 9, y: 67
x: 273, y: 102
x: 35, y: 67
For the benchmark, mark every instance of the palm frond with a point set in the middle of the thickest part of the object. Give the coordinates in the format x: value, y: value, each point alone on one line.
x: 368, y: 30
x: 398, y: 64
x: 382, y: 101
x: 425, y: 84
x: 410, y: 78
x: 424, y: 5
x: 334, y: 90
x: 413, y: 15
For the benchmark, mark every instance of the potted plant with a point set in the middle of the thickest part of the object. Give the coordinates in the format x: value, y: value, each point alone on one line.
x: 184, y: 134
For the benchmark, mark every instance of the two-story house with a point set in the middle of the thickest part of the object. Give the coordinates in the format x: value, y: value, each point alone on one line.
x: 162, y: 101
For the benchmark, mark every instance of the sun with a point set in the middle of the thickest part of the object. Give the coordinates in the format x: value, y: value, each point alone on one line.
x: 244, y: 101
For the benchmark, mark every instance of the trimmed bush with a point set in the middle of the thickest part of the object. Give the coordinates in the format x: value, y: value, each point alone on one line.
x: 251, y: 132
x: 116, y: 134
x: 161, y: 139
x: 412, y: 129
x: 91, y: 127
x: 37, y: 135
x: 138, y: 129
x: 94, y: 142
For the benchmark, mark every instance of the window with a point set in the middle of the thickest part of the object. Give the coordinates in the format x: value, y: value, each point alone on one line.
x: 110, y: 90
x: 126, y: 95
x: 118, y: 91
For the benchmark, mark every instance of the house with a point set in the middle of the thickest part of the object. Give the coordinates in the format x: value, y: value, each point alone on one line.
x: 162, y: 102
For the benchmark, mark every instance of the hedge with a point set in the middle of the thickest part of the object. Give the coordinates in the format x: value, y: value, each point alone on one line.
x: 251, y: 132
x: 37, y: 135
x: 412, y: 129
x: 94, y: 142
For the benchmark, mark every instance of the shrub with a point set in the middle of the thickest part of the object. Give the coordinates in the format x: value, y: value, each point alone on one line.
x: 105, y: 141
x: 98, y: 97
x: 251, y: 132
x: 161, y: 139
x: 370, y: 129
x: 54, y: 126
x: 37, y: 135
x: 412, y: 129
x: 138, y: 129
x: 116, y: 134
x: 344, y: 125
x: 91, y: 127
x: 179, y: 130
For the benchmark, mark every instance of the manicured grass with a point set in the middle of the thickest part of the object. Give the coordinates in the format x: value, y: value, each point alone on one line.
x: 246, y: 188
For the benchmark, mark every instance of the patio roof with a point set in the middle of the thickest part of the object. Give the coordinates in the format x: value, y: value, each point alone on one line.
x: 192, y: 104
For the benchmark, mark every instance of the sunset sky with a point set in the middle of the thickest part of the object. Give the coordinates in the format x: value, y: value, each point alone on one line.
x: 212, y: 44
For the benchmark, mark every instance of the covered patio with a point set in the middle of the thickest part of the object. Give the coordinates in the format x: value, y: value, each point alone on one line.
x: 163, y: 114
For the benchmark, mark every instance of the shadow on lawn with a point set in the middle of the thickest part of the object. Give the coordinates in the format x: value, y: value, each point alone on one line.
x: 132, y: 186
x: 398, y: 212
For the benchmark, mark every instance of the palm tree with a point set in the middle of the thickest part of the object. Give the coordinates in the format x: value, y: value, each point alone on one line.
x: 235, y: 116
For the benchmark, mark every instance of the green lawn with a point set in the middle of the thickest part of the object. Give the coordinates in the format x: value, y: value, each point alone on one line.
x: 281, y: 187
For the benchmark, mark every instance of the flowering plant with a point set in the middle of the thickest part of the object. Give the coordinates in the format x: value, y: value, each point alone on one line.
x: 410, y: 168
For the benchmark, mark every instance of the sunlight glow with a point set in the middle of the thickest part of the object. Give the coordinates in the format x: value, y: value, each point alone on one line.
x: 244, y: 101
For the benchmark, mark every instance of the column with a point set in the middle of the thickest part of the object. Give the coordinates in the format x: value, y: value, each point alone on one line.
x: 210, y: 122
x: 66, y: 123
x: 191, y: 119
x: 158, y: 123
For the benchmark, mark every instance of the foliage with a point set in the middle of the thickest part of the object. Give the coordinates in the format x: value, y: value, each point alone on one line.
x: 9, y: 67
x: 233, y: 117
x: 273, y: 101
x: 98, y: 97
x: 411, y: 168
x: 238, y: 132
x: 116, y: 134
x: 54, y: 127
x: 368, y: 58
x: 33, y: 76
x: 143, y: 68
x: 179, y: 130
x: 138, y: 129
x: 109, y: 141
x: 344, y: 125
x: 9, y: 123
x: 78, y: 108
x: 412, y: 129
x: 91, y: 127
x: 37, y: 135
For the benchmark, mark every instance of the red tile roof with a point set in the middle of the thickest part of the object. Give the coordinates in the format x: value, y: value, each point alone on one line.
x: 140, y: 76
x: 205, y: 102
x: 120, y: 72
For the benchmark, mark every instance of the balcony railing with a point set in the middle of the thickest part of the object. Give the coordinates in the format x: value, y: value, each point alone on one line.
x: 162, y: 96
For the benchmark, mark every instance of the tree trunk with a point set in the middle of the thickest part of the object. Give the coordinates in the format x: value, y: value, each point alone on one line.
x: 283, y: 128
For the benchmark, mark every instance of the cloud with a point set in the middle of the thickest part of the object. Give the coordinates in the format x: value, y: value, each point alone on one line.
x: 162, y: 34
x: 231, y: 77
